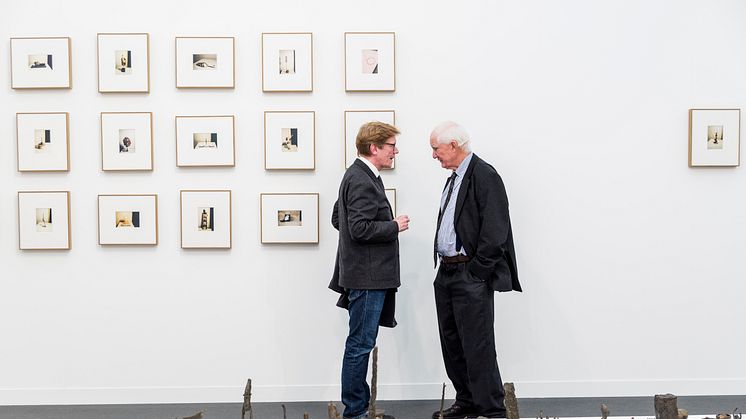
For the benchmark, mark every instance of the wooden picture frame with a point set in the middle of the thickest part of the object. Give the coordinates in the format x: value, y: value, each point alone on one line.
x: 205, y: 219
x: 44, y: 220
x: 287, y: 62
x: 41, y: 63
x: 123, y: 62
x: 289, y: 218
x: 714, y: 137
x: 289, y: 140
x: 126, y: 141
x: 127, y: 219
x: 43, y: 141
x: 391, y: 196
x: 205, y: 140
x: 205, y: 62
x: 353, y: 120
x: 370, y: 61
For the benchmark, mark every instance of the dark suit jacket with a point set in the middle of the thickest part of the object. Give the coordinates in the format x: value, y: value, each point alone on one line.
x: 368, y: 246
x: 482, y: 223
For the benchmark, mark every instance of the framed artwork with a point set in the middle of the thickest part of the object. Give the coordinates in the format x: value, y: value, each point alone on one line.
x: 205, y: 141
x: 287, y: 62
x: 353, y: 121
x: 714, y: 137
x: 123, y: 62
x: 44, y: 220
x: 128, y: 219
x: 40, y: 63
x: 206, y: 219
x: 289, y: 217
x: 370, y: 62
x: 43, y: 141
x: 391, y: 196
x: 205, y: 62
x: 289, y: 140
x: 126, y: 141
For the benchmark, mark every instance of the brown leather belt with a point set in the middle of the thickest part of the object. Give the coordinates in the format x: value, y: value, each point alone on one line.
x: 452, y: 260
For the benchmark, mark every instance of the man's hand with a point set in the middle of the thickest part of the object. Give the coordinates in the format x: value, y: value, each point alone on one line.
x: 403, y: 222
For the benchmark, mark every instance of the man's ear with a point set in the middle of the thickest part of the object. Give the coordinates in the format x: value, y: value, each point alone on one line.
x: 373, y: 149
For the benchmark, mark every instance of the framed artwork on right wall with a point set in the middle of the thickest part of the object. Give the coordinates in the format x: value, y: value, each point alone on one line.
x: 370, y: 61
x: 714, y: 137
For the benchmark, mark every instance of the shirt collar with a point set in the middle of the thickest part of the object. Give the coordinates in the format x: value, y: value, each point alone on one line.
x: 370, y: 166
x: 463, y: 166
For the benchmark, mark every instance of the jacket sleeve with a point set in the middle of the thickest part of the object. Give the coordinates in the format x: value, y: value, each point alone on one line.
x: 335, y: 216
x: 494, y: 224
x: 362, y: 211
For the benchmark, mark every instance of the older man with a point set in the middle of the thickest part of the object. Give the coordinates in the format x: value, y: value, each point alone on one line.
x: 474, y: 243
x: 367, y: 263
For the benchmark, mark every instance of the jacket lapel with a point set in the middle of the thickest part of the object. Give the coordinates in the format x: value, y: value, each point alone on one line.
x: 464, y: 187
x: 379, y: 183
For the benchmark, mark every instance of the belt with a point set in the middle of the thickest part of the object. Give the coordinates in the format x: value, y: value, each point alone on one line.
x: 452, y: 260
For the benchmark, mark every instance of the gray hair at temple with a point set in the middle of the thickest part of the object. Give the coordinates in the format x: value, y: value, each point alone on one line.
x: 450, y: 131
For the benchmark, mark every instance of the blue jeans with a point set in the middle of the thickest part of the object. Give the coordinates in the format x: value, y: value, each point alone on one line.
x: 365, y: 313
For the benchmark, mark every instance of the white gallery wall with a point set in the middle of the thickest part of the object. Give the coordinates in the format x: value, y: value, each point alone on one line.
x: 632, y: 263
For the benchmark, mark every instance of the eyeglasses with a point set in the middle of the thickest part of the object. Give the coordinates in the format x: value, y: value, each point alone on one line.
x: 393, y: 145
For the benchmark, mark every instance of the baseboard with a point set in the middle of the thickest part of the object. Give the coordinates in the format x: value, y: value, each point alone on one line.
x: 407, y: 391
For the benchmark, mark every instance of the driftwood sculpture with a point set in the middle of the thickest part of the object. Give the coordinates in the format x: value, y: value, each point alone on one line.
x: 284, y: 412
x: 373, y: 386
x: 442, y: 400
x: 246, y: 408
x: 665, y: 406
x: 604, y: 411
x: 331, y: 409
x: 511, y: 402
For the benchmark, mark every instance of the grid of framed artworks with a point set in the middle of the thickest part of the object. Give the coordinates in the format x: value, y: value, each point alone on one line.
x: 127, y: 144
x: 204, y: 62
x: 206, y: 219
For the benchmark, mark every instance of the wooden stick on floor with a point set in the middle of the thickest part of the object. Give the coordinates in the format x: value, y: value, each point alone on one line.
x: 374, y: 385
x: 247, y: 401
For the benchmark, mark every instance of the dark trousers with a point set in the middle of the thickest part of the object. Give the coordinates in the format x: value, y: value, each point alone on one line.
x: 466, y: 318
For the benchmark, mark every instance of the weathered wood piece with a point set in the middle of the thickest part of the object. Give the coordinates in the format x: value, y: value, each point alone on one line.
x: 604, y: 411
x: 373, y: 386
x: 665, y: 406
x: 246, y: 408
x: 511, y: 402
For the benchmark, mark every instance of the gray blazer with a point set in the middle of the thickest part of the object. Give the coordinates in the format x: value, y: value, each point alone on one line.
x: 368, y: 246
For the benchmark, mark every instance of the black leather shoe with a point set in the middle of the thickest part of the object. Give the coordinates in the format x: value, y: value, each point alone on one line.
x: 454, y: 412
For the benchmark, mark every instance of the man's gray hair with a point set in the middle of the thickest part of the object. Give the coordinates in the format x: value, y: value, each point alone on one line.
x: 450, y: 131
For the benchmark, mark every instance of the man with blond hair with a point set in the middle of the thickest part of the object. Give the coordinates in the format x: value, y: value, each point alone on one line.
x: 474, y: 244
x: 366, y: 270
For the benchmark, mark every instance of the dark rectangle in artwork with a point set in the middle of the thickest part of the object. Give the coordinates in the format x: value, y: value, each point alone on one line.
x: 212, y: 219
x: 136, y: 218
x: 50, y: 216
x: 47, y: 136
x: 129, y: 59
x: 49, y: 61
x: 214, y: 140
